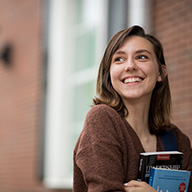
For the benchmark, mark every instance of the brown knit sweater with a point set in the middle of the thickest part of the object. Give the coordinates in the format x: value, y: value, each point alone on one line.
x: 106, y: 154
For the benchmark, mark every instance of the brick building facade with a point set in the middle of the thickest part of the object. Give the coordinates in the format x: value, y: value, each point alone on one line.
x: 22, y: 83
x: 173, y: 26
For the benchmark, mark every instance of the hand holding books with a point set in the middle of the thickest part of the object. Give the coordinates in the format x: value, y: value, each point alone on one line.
x: 138, y: 186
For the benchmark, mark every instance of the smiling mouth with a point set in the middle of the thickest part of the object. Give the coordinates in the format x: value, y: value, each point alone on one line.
x: 132, y: 80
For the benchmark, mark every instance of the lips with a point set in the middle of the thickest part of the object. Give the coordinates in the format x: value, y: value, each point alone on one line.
x: 132, y: 80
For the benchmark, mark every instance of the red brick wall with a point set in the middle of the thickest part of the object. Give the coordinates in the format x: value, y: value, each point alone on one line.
x: 21, y: 86
x: 173, y: 26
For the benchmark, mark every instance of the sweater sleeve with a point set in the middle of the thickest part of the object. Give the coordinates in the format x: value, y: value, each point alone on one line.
x: 99, y: 154
x: 185, y: 147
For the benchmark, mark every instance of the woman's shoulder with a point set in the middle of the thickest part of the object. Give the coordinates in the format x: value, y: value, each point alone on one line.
x: 103, y: 119
x: 181, y: 137
x: 101, y: 110
x: 102, y: 107
x: 178, y: 131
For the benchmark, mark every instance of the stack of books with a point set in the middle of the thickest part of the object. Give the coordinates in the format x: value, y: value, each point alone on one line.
x: 163, y: 171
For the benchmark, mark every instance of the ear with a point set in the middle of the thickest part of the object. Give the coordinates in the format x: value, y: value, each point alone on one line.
x: 165, y: 72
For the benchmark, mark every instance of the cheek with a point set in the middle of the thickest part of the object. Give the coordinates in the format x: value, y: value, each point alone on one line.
x: 115, y: 71
x: 153, y: 72
x: 114, y: 74
x: 156, y: 71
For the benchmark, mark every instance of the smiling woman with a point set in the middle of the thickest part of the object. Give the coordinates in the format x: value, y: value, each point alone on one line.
x: 130, y: 113
x: 145, y: 46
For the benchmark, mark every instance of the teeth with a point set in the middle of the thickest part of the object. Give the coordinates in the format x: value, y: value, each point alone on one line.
x: 132, y: 80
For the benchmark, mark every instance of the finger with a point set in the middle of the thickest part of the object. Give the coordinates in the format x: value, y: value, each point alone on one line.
x: 134, y: 183
x: 138, y: 186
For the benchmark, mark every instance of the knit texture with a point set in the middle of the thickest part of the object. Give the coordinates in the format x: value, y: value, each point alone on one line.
x: 107, y: 152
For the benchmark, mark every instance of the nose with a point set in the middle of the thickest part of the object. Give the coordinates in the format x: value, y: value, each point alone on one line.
x: 131, y: 65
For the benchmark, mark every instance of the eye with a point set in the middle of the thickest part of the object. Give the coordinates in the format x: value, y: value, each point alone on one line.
x: 118, y: 59
x: 142, y: 57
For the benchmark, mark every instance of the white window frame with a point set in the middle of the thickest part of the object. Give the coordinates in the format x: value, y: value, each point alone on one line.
x: 58, y: 153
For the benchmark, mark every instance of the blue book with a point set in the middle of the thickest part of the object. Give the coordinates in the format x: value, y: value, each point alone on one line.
x: 167, y: 180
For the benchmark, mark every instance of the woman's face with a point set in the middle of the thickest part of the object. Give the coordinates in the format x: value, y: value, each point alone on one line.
x: 134, y: 69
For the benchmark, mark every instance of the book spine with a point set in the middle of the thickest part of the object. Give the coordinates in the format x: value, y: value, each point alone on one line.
x: 151, y: 178
x: 142, y: 168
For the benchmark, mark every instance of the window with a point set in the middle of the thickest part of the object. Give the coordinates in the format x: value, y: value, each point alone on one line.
x: 76, y: 40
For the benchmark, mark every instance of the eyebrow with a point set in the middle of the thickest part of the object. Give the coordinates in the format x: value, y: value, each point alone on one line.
x: 138, y: 51
x: 143, y: 50
x: 120, y: 53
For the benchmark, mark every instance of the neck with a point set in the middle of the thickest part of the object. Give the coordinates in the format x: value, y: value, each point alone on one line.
x: 138, y: 113
x: 138, y: 116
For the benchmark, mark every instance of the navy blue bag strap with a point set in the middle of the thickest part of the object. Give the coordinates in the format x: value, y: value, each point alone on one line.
x: 169, y: 141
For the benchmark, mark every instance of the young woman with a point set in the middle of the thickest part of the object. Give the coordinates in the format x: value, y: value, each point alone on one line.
x: 130, y: 112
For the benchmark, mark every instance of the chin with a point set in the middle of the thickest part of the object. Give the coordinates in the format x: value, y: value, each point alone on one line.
x: 136, y: 96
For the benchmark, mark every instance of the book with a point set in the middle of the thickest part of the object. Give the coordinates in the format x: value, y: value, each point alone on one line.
x: 167, y: 180
x: 163, y: 159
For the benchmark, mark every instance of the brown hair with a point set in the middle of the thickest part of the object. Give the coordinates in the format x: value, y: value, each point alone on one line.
x: 160, y: 107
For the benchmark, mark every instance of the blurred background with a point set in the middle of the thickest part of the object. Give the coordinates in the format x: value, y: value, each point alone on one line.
x: 49, y: 56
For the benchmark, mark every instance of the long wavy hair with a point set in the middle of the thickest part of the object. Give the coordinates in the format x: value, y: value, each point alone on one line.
x: 160, y: 106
